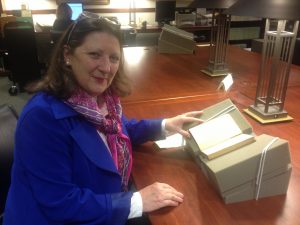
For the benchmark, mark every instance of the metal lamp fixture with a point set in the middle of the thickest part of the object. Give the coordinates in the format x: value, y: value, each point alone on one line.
x: 219, y: 35
x: 278, y: 48
x: 132, y: 13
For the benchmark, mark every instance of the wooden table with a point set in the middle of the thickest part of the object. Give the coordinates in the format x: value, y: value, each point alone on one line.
x: 166, y: 85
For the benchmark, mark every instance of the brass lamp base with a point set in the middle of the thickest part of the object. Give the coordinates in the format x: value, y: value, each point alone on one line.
x: 215, y: 73
x: 265, y: 118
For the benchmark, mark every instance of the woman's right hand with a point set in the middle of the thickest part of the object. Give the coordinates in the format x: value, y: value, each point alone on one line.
x: 158, y: 195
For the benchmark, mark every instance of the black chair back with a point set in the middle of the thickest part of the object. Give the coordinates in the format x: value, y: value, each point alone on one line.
x: 20, y: 43
x: 55, y: 35
x: 8, y: 122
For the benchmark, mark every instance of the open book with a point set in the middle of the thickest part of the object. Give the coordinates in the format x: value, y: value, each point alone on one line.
x: 217, y: 136
x: 215, y: 128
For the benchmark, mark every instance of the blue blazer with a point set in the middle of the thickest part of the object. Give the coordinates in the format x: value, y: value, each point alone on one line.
x: 63, y: 172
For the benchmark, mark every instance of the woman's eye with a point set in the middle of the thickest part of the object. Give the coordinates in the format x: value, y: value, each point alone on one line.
x: 98, y: 55
x: 114, y: 59
x: 94, y: 54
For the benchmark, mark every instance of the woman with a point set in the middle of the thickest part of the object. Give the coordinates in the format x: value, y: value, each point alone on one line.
x: 62, y: 22
x: 73, y: 144
x: 63, y: 17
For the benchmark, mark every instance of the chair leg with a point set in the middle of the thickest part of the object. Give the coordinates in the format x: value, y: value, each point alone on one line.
x: 13, y: 90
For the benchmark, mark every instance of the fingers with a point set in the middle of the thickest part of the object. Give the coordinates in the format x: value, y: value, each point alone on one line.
x: 160, y: 195
x: 175, y: 124
x: 172, y: 197
x: 184, y: 133
x: 193, y: 113
x: 172, y: 191
x: 191, y: 116
x: 192, y: 119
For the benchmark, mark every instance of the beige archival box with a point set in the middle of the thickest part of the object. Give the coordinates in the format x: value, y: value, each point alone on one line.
x: 252, y: 171
x: 174, y: 40
x: 234, y: 174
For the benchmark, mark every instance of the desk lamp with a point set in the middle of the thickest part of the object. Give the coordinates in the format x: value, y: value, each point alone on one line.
x: 279, y: 41
x: 217, y: 65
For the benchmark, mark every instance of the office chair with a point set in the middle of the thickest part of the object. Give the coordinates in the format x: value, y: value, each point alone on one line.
x: 3, y: 21
x: 8, y: 122
x: 55, y: 35
x: 22, y: 57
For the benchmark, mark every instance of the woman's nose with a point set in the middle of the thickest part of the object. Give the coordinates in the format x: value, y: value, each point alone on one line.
x: 104, y: 64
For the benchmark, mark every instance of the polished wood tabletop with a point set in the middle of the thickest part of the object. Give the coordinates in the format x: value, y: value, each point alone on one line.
x: 156, y: 76
x: 165, y: 85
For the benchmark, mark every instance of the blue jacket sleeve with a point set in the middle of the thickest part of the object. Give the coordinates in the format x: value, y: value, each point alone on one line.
x: 143, y: 130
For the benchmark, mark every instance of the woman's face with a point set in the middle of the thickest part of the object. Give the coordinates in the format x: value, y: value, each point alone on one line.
x: 96, y: 62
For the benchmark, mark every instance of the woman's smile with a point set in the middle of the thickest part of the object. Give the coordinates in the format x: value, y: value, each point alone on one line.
x: 100, y: 79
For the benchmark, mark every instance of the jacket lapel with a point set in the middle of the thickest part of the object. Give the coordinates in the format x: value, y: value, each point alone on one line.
x: 86, y: 136
x: 93, y: 147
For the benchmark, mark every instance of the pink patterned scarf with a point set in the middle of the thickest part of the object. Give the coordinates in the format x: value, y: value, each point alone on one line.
x: 110, y: 125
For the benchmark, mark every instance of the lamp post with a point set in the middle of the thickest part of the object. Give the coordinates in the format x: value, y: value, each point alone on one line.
x: 217, y: 65
x: 278, y: 47
x: 132, y: 13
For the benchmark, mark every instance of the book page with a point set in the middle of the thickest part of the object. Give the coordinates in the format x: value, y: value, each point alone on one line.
x: 215, y: 131
x: 172, y: 141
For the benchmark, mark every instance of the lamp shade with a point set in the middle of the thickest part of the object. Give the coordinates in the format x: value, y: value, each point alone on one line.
x: 272, y: 9
x: 213, y: 4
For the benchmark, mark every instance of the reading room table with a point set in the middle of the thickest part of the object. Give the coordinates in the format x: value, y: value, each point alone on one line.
x: 165, y: 85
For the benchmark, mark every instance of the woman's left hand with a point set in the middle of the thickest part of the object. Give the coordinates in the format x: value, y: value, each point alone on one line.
x: 175, y: 124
